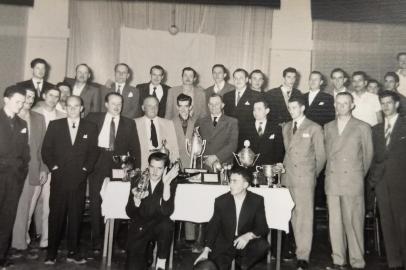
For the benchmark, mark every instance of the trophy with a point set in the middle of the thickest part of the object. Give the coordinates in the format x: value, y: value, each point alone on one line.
x: 268, y: 173
x: 124, y: 168
x: 224, y: 170
x: 278, y: 169
x: 246, y: 157
x: 195, y: 148
x: 141, y: 183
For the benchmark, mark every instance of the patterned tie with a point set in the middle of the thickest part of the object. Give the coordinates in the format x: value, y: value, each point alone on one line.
x: 294, y: 127
x: 215, y: 121
x: 238, y: 98
x: 388, y: 132
x: 154, y: 92
x: 118, y: 90
x: 154, y: 136
x: 38, y: 89
x: 260, y: 130
x: 112, y: 137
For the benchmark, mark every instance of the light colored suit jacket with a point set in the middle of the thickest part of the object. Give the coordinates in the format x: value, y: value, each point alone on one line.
x: 184, y: 157
x: 166, y: 132
x: 305, y: 155
x: 349, y: 156
x: 198, y: 100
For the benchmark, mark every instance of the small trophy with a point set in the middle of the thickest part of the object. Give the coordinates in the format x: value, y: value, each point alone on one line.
x: 225, y: 169
x: 124, y: 168
x: 195, y: 148
x: 277, y: 170
x: 268, y: 173
x: 246, y: 157
x: 164, y: 149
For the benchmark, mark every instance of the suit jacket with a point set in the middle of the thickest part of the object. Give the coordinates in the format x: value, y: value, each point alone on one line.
x: 278, y: 109
x: 243, y: 111
x: 388, y: 164
x: 166, y: 132
x: 57, y: 150
x: 131, y: 100
x: 402, y: 104
x: 181, y: 136
x: 14, y: 149
x: 144, y: 92
x: 126, y: 136
x: 222, y: 226
x: 198, y: 100
x: 91, y: 97
x: 349, y: 156
x: 37, y: 131
x: 210, y: 90
x: 305, y: 154
x: 322, y: 109
x: 222, y: 139
x: 269, y: 146
x: 30, y: 84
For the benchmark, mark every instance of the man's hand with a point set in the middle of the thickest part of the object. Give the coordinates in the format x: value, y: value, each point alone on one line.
x: 169, y: 176
x: 243, y: 240
x: 210, y: 159
x: 43, y: 178
x: 203, y: 256
x: 138, y: 196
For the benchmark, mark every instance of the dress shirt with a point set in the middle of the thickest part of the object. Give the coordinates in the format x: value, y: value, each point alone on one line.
x: 73, y: 131
x: 238, y: 206
x: 77, y: 90
x: 218, y: 88
x: 341, y: 123
x: 366, y: 107
x: 121, y: 85
x: 104, y: 135
x: 159, y: 91
x: 240, y: 93
x: 312, y: 95
x: 147, y: 122
x: 298, y: 122
x: 35, y: 81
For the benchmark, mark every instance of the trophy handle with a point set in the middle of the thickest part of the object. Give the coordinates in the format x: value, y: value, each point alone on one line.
x: 258, y: 168
x: 237, y: 159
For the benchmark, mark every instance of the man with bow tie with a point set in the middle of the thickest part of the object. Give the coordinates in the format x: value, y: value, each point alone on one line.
x: 70, y: 152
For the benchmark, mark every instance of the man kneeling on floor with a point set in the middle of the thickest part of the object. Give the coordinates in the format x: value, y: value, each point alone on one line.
x: 238, y: 226
x: 149, y: 212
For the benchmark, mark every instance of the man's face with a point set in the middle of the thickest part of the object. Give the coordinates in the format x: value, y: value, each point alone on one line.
x: 390, y: 83
x: 156, y: 170
x: 121, y: 74
x: 290, y: 79
x: 240, y: 80
x: 150, y: 107
x: 338, y: 80
x: 156, y: 76
x: 82, y: 74
x: 389, y: 106
x: 295, y: 109
x: 114, y: 105
x: 218, y: 74
x: 256, y: 81
x: 29, y: 99
x: 260, y: 112
x: 73, y: 108
x: 402, y: 61
x: 358, y: 82
x: 184, y: 109
x: 15, y: 103
x: 215, y: 105
x: 65, y: 93
x: 238, y: 184
x: 315, y: 82
x: 188, y: 77
x: 51, y: 98
x: 373, y: 88
x: 343, y: 105
x: 39, y: 71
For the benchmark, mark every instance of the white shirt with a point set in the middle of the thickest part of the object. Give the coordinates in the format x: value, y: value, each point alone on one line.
x: 260, y: 123
x: 238, y: 206
x: 298, y: 121
x: 38, y: 83
x: 366, y: 107
x: 104, y: 135
x: 312, y: 95
x: 402, y: 83
x: 49, y: 116
x: 147, y: 122
x: 73, y: 131
x: 159, y: 91
x: 218, y: 88
x: 153, y: 185
x: 121, y: 85
x: 391, y: 121
x: 341, y: 123
x: 77, y: 90
x: 239, y: 93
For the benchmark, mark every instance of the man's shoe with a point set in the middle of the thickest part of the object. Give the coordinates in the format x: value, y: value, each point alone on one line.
x: 75, y: 258
x: 336, y: 267
x: 17, y: 253
x: 302, y: 265
x: 4, y: 263
x: 288, y: 256
x: 32, y: 255
x: 50, y: 261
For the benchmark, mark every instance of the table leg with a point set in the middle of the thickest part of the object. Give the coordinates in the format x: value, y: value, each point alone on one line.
x: 171, y: 253
x: 268, y: 257
x: 111, y: 236
x: 279, y: 245
x: 106, y: 237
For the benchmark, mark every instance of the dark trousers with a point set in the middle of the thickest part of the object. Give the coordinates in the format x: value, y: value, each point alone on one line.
x: 140, y: 236
x: 65, y: 203
x: 10, y: 191
x: 244, y: 259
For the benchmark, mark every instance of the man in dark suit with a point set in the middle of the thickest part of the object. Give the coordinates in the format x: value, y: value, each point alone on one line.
x: 38, y: 81
x: 82, y: 88
x: 156, y: 88
x: 14, y: 157
x: 238, y: 226
x: 220, y: 86
x: 131, y: 95
x: 387, y: 177
x: 319, y: 105
x: 70, y: 152
x: 239, y: 103
x: 220, y: 132
x: 265, y: 137
x: 117, y: 135
x: 278, y: 98
x: 149, y: 211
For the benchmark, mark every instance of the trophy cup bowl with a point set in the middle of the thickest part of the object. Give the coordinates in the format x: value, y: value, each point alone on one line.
x: 268, y: 173
x: 195, y: 147
x: 246, y: 157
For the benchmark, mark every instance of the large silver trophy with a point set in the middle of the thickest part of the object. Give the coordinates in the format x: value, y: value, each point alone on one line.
x: 270, y: 172
x: 246, y: 157
x: 123, y: 169
x: 195, y: 148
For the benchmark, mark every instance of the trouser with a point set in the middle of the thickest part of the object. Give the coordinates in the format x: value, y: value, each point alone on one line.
x: 65, y: 203
x: 393, y: 222
x: 246, y: 258
x: 10, y: 190
x: 139, y: 237
x: 42, y: 212
x: 190, y: 231
x: 302, y: 220
x: 346, y: 226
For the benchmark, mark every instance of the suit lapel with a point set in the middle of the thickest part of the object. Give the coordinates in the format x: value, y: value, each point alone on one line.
x: 126, y: 91
x: 316, y: 100
x: 297, y: 136
x: 79, y: 134
x: 395, y: 135
x: 233, y: 213
x: 340, y: 138
x: 244, y: 98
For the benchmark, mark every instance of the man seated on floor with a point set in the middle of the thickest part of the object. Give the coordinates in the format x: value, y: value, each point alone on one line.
x: 238, y: 226
x: 149, y: 212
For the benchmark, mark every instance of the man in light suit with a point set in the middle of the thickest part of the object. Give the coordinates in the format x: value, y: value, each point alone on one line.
x: 387, y: 176
x: 220, y: 86
x: 220, y: 132
x: 153, y: 131
x: 130, y: 94
x: 82, y: 88
x: 188, y: 87
x: 304, y: 159
x: 349, y: 153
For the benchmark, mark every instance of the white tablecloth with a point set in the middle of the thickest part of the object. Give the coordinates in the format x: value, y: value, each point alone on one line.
x: 115, y: 197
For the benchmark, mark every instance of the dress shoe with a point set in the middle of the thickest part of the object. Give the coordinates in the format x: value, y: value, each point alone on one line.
x: 75, y: 258
x: 288, y: 256
x: 50, y: 261
x: 336, y: 267
x: 4, y: 263
x: 16, y: 253
x: 302, y: 265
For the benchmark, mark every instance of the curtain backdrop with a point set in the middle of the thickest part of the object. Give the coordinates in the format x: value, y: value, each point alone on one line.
x: 241, y: 34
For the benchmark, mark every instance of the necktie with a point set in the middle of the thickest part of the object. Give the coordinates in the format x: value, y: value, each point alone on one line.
x: 112, y: 134
x: 118, y: 90
x: 154, y: 92
x: 11, y: 122
x: 388, y: 132
x: 260, y: 130
x: 38, y: 89
x: 238, y: 98
x: 154, y: 137
x: 294, y: 128
x: 215, y: 121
